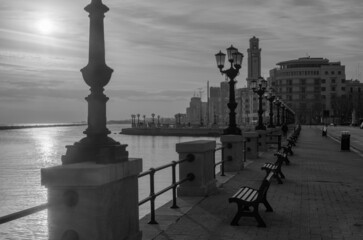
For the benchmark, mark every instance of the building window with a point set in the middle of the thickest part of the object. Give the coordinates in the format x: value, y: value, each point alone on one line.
x: 343, y: 88
x: 333, y: 80
x: 339, y: 72
x: 302, y: 96
x: 289, y: 97
x: 289, y: 81
x: 343, y: 80
x: 323, y: 89
x: 326, y: 73
x: 323, y: 97
x: 302, y: 81
x: 332, y: 72
x: 316, y: 89
x: 316, y: 81
x: 289, y: 90
x: 303, y: 89
x: 322, y: 80
x: 333, y: 88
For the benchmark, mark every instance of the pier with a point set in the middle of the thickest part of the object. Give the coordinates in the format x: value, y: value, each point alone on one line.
x: 321, y: 198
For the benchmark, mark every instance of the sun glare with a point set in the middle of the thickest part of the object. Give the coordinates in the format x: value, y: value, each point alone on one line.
x: 45, y: 26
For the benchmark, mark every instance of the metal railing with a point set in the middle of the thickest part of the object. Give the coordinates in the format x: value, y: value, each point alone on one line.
x: 152, y: 196
x: 70, y: 198
x: 229, y: 145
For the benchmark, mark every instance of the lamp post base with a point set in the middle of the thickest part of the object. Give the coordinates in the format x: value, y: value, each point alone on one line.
x: 262, y: 127
x: 104, y: 151
x: 232, y: 131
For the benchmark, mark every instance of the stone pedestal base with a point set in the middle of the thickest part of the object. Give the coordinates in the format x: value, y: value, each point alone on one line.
x: 202, y: 168
x: 262, y: 146
x: 105, y: 202
x: 251, y: 144
x: 234, y: 155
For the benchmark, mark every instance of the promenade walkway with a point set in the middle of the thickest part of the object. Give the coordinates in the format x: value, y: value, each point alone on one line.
x: 321, y: 198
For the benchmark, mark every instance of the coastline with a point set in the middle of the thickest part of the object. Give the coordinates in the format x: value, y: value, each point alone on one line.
x: 12, y: 127
x: 197, y: 132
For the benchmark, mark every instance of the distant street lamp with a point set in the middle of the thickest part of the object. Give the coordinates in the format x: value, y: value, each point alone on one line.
x: 144, y: 116
x: 158, y: 120
x: 270, y: 97
x: 235, y: 58
x: 133, y: 120
x: 259, y: 88
x: 138, y: 119
x: 153, y: 116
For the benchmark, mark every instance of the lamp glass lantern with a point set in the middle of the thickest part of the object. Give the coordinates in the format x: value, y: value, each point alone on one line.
x: 262, y: 82
x: 220, y: 58
x: 237, y: 59
x: 253, y: 84
x: 230, y: 52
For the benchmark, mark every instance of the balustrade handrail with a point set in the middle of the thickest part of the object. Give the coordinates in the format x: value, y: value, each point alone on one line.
x: 70, y: 198
x: 152, y: 196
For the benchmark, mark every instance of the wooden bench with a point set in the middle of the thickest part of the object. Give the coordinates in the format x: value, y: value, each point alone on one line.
x: 287, y: 149
x: 275, y: 167
x: 247, y: 197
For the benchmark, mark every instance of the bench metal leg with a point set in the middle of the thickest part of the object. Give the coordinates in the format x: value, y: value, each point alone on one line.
x: 281, y: 174
x: 267, y: 205
x: 256, y: 214
x: 276, y: 175
x: 239, y: 214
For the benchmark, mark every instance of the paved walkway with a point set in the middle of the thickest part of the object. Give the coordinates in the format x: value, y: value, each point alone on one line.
x: 322, y: 198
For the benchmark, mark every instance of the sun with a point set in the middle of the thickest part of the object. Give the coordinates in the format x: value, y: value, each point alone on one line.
x: 45, y: 26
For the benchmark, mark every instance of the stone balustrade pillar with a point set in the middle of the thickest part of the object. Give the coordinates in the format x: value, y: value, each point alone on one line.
x: 202, y: 167
x: 262, y: 145
x: 233, y: 152
x: 251, y: 144
x: 104, y: 202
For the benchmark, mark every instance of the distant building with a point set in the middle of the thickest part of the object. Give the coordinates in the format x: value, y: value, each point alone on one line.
x: 196, y: 113
x: 353, y: 101
x: 310, y: 86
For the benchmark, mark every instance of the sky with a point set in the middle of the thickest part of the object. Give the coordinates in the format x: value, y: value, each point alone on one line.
x: 161, y: 51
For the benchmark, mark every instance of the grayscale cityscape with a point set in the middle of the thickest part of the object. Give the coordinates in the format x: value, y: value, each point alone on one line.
x: 181, y: 120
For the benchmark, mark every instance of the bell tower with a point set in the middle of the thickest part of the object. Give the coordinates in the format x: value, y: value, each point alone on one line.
x: 254, y: 61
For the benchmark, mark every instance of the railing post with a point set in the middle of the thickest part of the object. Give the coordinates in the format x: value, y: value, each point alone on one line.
x: 174, y: 186
x: 152, y: 200
x: 244, y: 150
x: 202, y: 168
x: 222, y: 164
x: 233, y: 152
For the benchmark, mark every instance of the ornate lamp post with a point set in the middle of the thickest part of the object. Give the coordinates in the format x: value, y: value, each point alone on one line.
x: 96, y: 146
x: 158, y: 120
x: 278, y: 105
x: 260, y: 89
x: 144, y: 116
x: 235, y: 58
x: 270, y: 97
x: 283, y: 111
x: 153, y: 116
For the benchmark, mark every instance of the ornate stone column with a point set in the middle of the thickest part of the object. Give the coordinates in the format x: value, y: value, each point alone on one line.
x: 97, y: 146
x: 96, y: 175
